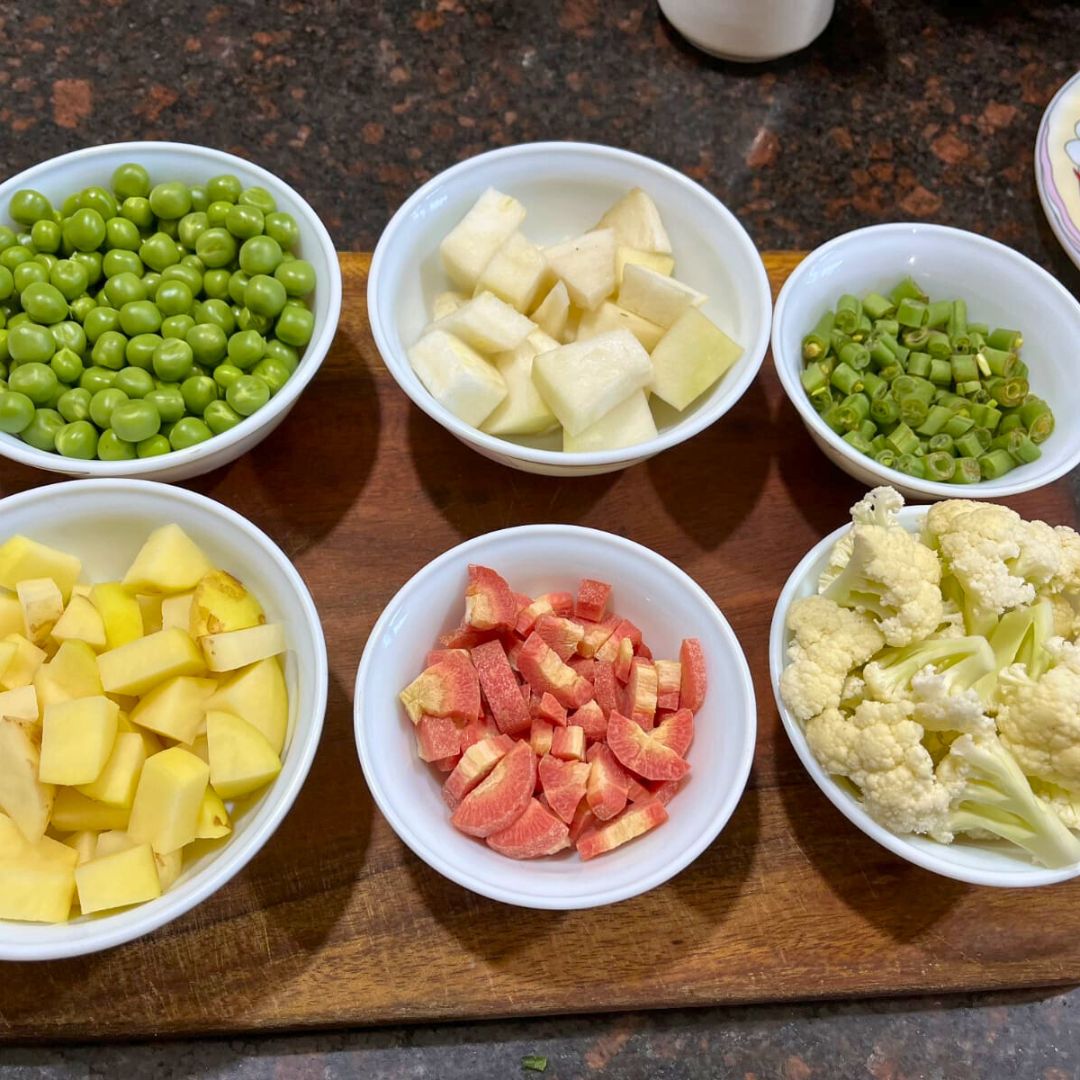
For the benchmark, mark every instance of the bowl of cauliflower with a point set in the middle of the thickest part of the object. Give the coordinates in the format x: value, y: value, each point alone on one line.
x: 926, y: 666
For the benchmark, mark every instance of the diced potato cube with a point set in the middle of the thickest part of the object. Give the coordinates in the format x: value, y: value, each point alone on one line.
x: 213, y: 820
x: 662, y: 264
x: 637, y: 223
x: 523, y: 411
x: 238, y: 648
x: 169, y: 562
x: 176, y: 611
x: 51, y: 850
x: 140, y: 665
x: 42, y: 605
x: 23, y: 797
x: 76, y: 740
x: 84, y: 844
x: 241, y: 760
x: 690, y: 357
x: 73, y: 812
x: 655, y: 297
x: 22, y: 667
x: 445, y: 302
x: 610, y: 316
x: 80, y: 622
x: 168, y: 798
x: 20, y: 704
x: 257, y: 694
x: 553, y: 311
x: 36, y: 890
x: 176, y: 708
x: 469, y: 246
x: 457, y: 376
x: 126, y: 877
x: 115, y: 785
x: 47, y: 691
x: 11, y: 616
x: 626, y: 425
x: 515, y: 273
x: 221, y: 603
x: 586, y: 266
x: 111, y: 841
x: 119, y: 611
x: 150, y: 609
x: 486, y: 324
x: 22, y: 558
x: 151, y: 743
x: 74, y: 669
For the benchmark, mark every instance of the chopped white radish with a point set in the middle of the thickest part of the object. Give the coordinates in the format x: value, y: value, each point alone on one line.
x: 655, y: 297
x: 551, y: 313
x: 470, y: 244
x: 586, y: 265
x: 446, y: 302
x: 662, y: 264
x: 487, y: 324
x: 637, y: 223
x: 609, y: 316
x: 690, y: 357
x: 583, y: 381
x: 522, y: 411
x: 516, y: 273
x: 457, y: 376
x: 626, y: 425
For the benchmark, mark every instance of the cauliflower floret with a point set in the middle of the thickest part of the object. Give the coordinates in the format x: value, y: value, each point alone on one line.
x: 941, y: 708
x: 1039, y: 719
x: 1065, y: 804
x: 952, y: 621
x: 879, y: 748
x: 942, y: 517
x: 876, y: 507
x: 828, y: 642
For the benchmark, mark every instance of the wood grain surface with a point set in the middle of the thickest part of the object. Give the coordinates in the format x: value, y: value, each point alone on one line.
x: 336, y: 923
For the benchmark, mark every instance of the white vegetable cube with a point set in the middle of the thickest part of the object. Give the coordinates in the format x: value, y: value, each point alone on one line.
x: 586, y: 266
x: 456, y: 376
x: 19, y: 661
x: 516, y: 273
x: 20, y: 704
x: 655, y: 297
x: 42, y: 605
x: 626, y: 425
x: 23, y: 797
x: 609, y: 316
x: 446, y: 302
x: 523, y: 411
x: 487, y: 324
x: 584, y: 381
x: 637, y: 223
x: 690, y: 357
x: 662, y: 264
x: 469, y: 246
x: 553, y: 311
x: 81, y: 621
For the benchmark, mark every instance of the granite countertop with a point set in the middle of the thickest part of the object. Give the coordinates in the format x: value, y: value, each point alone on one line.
x: 903, y: 109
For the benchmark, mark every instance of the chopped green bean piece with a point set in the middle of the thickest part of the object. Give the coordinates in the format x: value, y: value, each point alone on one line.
x: 940, y: 372
x: 959, y: 425
x: 940, y: 466
x: 941, y: 441
x: 996, y: 463
x: 1025, y: 451
x: 1036, y: 416
x: 816, y: 343
x: 911, y: 312
x: 902, y: 439
x: 856, y: 439
x: 912, y: 464
x: 908, y: 289
x: 935, y: 420
x: 967, y: 471
x: 1007, y: 340
x: 877, y: 306
x: 885, y: 410
x: 918, y: 363
x: 846, y: 379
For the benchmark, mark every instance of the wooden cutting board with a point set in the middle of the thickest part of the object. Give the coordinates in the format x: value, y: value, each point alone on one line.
x: 337, y: 923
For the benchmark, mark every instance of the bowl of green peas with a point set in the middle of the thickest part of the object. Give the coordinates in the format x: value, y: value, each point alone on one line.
x: 932, y: 359
x: 162, y: 307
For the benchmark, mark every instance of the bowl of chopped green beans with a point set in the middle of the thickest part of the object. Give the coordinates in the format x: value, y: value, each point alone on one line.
x: 932, y: 359
x: 162, y: 308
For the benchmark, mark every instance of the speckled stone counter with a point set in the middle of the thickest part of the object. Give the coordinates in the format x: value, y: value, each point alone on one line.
x: 903, y: 109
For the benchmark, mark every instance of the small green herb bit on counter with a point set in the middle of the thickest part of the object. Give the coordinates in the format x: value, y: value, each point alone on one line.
x: 925, y: 372
x: 534, y: 1063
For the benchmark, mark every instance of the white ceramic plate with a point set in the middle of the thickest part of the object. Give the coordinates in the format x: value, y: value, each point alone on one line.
x: 1057, y: 166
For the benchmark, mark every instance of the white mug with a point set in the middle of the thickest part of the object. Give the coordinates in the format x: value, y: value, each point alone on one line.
x: 748, y: 30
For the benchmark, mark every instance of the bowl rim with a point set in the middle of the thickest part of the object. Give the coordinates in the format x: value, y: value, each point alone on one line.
x: 128, y: 924
x: 314, y: 353
x: 1042, y: 179
x: 679, y: 432
x: 1020, y: 877
x: 507, y: 895
x: 984, y: 489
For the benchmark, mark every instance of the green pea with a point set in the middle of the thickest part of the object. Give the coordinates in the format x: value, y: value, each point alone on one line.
x: 109, y: 350
x: 16, y: 412
x: 199, y: 198
x: 173, y: 297
x: 118, y: 261
x: 273, y: 372
x: 173, y: 360
x: 246, y: 349
x: 139, y: 317
x: 15, y: 255
x: 135, y: 382
x: 265, y: 296
x: 208, y: 343
x: 226, y: 374
x: 94, y: 379
x: 169, y: 403
x: 7, y: 283
x: 124, y: 289
x: 28, y: 206
x: 170, y: 200
x: 151, y: 279
x: 140, y: 350
x: 226, y: 187
x: 46, y: 259
x: 217, y: 313
x: 193, y: 260
x: 295, y: 326
x: 282, y: 227
x: 66, y: 275
x: 103, y: 403
x: 237, y: 284
x: 198, y: 392
x: 27, y: 241
x: 216, y: 284
x: 159, y: 251
x: 258, y: 197
x: 221, y: 416
x: 29, y: 273
x: 177, y: 326
x: 85, y: 229
x: 69, y: 335
x: 121, y: 233
x: 112, y: 448
x: 46, y: 235
x: 36, y: 380
x: 77, y: 440
x: 248, y: 394
x: 136, y: 208
x: 44, y: 303
x: 97, y: 198
x: 260, y: 255
x: 217, y: 213
x: 100, y: 320
x: 189, y: 432
x: 69, y: 206
x: 251, y: 320
x: 297, y: 275
x: 91, y: 262
x: 41, y: 432
x: 74, y: 404
x: 186, y: 273
x: 7, y: 237
x: 67, y: 365
x: 155, y: 446
x: 191, y: 226
x: 18, y: 318
x: 130, y: 181
x: 81, y: 306
x: 216, y: 247
x: 134, y: 421
x: 244, y: 222
x: 28, y: 343
x: 5, y: 356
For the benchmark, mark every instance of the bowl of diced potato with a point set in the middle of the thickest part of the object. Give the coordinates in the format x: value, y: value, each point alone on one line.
x: 163, y: 681
x: 568, y: 308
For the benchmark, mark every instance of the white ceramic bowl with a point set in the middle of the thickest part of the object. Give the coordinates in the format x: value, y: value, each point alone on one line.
x: 105, y: 522
x: 1001, y: 287
x: 976, y: 862
x: 60, y: 176
x: 1057, y: 166
x: 650, y: 591
x: 565, y: 187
